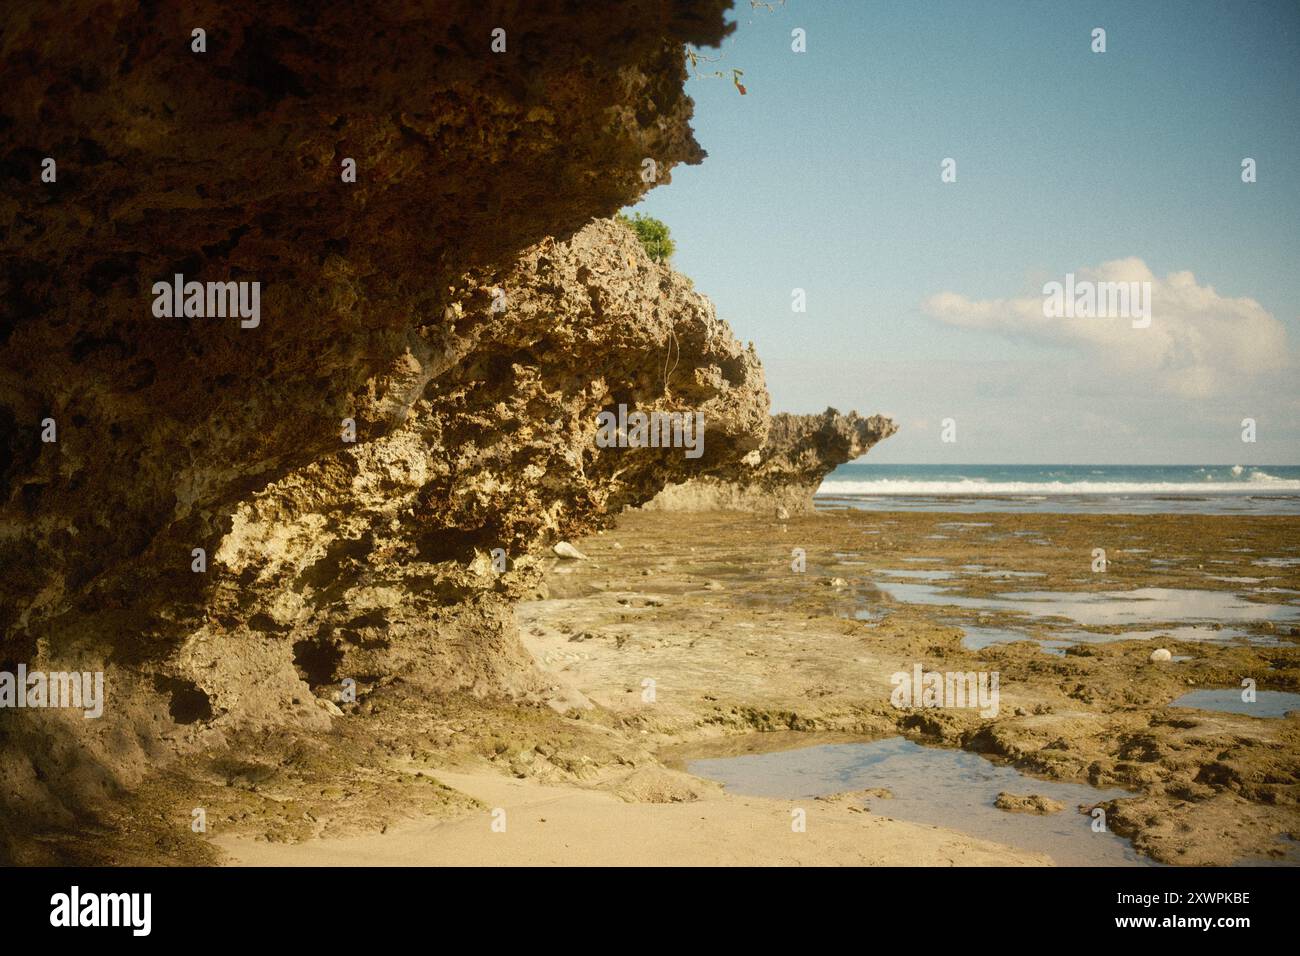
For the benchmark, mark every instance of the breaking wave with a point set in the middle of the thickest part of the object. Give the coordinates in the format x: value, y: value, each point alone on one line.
x: 974, y: 486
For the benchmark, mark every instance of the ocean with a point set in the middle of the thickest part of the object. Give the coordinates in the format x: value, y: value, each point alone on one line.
x: 1101, y: 489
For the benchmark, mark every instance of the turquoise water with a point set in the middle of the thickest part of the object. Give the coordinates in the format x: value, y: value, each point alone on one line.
x: 1107, y: 489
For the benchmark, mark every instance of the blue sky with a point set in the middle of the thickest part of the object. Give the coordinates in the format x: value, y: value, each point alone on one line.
x: 826, y: 177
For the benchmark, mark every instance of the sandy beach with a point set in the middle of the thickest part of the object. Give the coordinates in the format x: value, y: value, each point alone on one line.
x: 562, y: 825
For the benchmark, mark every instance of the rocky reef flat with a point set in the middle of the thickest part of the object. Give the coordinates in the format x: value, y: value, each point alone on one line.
x: 737, y: 642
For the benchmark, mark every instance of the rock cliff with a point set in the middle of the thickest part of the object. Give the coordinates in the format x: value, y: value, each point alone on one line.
x: 229, y: 521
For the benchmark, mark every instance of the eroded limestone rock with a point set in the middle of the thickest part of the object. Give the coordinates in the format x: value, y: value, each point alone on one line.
x: 381, y: 316
x: 783, y: 475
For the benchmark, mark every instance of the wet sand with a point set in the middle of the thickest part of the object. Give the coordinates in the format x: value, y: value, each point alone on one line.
x: 683, y: 634
x: 566, y: 826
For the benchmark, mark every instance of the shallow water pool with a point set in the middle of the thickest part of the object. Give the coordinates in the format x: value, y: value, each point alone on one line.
x: 1267, y: 703
x: 936, y: 786
x: 1102, y: 608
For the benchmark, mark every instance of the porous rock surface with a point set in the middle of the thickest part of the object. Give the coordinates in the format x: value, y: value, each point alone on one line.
x: 785, y: 473
x: 453, y: 304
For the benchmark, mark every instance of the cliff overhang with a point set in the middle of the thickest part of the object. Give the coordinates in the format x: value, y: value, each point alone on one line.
x: 784, y: 474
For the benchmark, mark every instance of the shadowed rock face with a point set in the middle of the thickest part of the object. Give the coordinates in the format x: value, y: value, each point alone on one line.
x: 226, y: 166
x: 785, y: 473
x: 474, y: 427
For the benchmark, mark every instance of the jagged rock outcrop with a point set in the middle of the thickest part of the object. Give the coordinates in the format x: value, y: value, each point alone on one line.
x: 379, y: 560
x: 380, y: 305
x: 785, y: 473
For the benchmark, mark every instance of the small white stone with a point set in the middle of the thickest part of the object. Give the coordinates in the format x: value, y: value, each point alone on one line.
x: 566, y: 550
x: 1160, y: 654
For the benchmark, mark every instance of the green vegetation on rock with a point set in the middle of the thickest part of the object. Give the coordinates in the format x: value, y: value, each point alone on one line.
x: 654, y: 236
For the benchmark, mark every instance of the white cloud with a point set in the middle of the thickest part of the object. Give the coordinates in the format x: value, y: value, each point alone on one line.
x: 1198, y: 344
